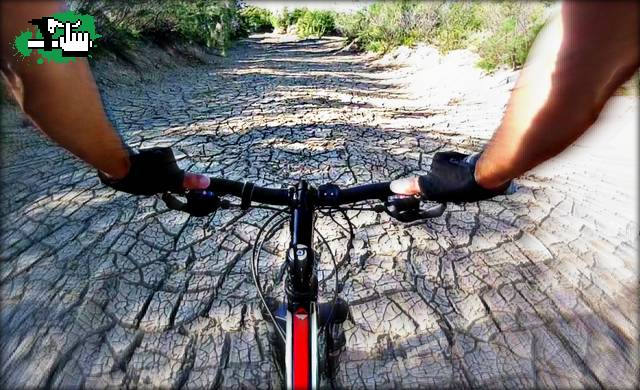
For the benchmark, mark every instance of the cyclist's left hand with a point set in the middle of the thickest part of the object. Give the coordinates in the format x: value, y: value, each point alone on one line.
x: 155, y: 171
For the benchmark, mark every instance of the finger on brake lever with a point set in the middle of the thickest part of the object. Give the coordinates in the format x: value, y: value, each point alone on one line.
x: 407, y: 208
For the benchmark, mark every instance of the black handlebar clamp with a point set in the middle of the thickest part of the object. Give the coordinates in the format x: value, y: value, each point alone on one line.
x: 329, y: 194
x: 247, y: 194
x: 201, y: 203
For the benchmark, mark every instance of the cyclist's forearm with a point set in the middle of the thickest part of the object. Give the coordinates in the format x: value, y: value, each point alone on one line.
x: 537, y: 126
x: 578, y: 62
x: 62, y: 99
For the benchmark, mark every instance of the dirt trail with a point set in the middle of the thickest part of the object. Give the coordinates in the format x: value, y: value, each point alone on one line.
x: 103, y: 289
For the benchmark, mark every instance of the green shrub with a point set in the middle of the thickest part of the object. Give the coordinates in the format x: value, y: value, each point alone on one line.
x: 383, y: 30
x: 286, y: 18
x: 385, y: 25
x: 255, y: 19
x: 279, y: 20
x: 350, y: 25
x: 295, y: 15
x: 315, y: 23
x: 112, y: 22
x: 631, y: 87
x: 204, y: 22
x: 508, y: 43
x: 500, y: 32
x: 458, y: 21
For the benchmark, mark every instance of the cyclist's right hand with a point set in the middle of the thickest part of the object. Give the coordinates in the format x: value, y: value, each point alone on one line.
x: 451, y: 178
x: 153, y: 171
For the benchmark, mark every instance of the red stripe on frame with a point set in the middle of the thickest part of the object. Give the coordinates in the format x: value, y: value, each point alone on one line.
x: 301, y: 350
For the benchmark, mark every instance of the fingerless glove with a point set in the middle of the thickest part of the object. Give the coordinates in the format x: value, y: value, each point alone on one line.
x: 152, y: 171
x: 451, y: 178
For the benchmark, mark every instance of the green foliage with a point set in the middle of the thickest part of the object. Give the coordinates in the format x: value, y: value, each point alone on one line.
x: 279, y: 20
x: 458, y: 21
x: 255, y: 19
x: 500, y: 32
x: 631, y: 87
x: 203, y: 22
x: 287, y: 18
x: 350, y: 25
x: 295, y: 15
x: 315, y: 23
x: 111, y: 22
x: 508, y: 43
x: 385, y: 25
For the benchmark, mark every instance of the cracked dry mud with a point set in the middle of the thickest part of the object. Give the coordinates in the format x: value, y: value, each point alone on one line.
x: 538, y: 289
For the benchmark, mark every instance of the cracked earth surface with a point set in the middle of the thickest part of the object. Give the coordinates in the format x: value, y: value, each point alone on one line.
x: 538, y: 289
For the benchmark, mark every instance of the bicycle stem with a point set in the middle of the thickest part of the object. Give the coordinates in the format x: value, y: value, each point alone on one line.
x: 301, y: 286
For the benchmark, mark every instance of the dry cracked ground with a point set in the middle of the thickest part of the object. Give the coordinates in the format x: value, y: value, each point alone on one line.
x: 103, y: 289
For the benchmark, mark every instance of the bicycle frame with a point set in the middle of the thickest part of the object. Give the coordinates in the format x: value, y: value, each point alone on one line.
x: 301, y: 313
x: 301, y: 354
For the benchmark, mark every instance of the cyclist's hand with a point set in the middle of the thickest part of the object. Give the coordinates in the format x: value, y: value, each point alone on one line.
x: 154, y: 171
x: 451, y: 178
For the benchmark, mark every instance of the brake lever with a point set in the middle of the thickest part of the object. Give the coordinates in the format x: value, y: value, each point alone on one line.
x: 199, y: 203
x: 172, y: 202
x: 407, y: 208
x: 433, y: 211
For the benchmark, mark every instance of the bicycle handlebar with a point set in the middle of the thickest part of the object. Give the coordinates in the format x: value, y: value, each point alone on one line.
x: 204, y: 202
x: 271, y: 196
x: 280, y: 197
x: 379, y: 191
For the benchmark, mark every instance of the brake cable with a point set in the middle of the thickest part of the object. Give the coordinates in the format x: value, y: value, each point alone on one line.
x: 335, y: 271
x: 262, y: 237
x: 255, y: 261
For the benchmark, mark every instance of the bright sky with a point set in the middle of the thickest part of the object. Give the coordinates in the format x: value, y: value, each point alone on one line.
x: 336, y: 5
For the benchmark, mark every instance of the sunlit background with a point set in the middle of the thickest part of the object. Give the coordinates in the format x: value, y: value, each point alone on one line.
x: 340, y: 6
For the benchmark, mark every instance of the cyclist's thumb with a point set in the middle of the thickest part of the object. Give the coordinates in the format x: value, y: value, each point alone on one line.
x: 193, y: 181
x: 406, y: 186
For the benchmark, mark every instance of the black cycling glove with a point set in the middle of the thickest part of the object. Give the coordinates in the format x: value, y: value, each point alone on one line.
x: 152, y: 171
x: 452, y: 179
